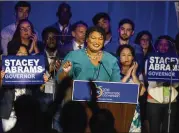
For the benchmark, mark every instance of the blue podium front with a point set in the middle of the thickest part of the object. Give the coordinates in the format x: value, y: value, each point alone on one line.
x: 110, y: 92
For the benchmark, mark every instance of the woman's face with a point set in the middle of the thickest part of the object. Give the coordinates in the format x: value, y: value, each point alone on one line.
x: 95, y: 41
x: 25, y: 30
x: 145, y: 41
x: 163, y: 46
x: 22, y: 51
x: 126, y: 57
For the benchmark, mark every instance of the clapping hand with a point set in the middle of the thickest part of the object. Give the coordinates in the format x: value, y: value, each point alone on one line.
x: 135, y: 64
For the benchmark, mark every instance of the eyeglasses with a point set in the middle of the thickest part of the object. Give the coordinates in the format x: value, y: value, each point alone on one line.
x: 25, y: 29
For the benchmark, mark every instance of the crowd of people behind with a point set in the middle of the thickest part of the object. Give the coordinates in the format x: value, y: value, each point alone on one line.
x: 78, y: 52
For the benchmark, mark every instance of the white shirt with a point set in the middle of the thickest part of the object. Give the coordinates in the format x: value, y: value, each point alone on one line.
x: 6, y: 36
x: 48, y: 56
x: 76, y: 45
x: 66, y: 28
x: 50, y: 84
x: 107, y: 41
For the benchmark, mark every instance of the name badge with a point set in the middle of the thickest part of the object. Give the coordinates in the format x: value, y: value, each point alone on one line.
x: 50, y: 86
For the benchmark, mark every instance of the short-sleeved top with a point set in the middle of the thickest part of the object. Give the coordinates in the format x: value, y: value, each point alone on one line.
x: 83, y: 69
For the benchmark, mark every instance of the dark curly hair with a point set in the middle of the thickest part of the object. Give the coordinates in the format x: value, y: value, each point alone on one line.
x: 139, y: 36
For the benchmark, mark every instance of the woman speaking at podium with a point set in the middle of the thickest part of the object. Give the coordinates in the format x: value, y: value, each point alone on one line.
x: 91, y: 62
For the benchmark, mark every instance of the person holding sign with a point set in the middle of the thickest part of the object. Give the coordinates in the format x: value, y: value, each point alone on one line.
x: 25, y: 35
x: 158, y: 93
x: 128, y: 69
x: 91, y: 62
x: 10, y: 93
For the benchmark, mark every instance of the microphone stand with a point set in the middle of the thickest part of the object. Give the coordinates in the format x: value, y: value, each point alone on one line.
x: 105, y: 69
x: 54, y: 90
x: 170, y: 88
x: 170, y: 93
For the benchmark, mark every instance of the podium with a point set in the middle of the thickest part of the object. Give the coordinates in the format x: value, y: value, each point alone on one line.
x: 123, y: 112
x: 123, y: 115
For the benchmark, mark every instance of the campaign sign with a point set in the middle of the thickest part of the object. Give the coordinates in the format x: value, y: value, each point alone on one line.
x: 159, y: 68
x: 23, y: 69
x: 110, y: 92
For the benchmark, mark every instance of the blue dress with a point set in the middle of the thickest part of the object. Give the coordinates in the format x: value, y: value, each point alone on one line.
x: 83, y: 69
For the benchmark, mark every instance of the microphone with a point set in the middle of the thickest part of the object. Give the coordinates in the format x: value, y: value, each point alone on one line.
x: 171, y: 63
x: 100, y: 62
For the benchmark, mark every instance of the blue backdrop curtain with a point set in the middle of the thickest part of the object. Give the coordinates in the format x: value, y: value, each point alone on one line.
x: 157, y: 17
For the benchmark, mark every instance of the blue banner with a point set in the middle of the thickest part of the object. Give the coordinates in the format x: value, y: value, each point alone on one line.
x: 23, y: 69
x: 110, y: 92
x: 159, y: 68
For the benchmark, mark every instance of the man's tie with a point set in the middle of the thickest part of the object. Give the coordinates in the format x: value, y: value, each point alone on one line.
x: 79, y: 46
x: 63, y: 35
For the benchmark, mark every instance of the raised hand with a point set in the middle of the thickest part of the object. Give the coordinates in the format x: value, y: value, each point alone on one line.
x: 129, y: 72
x: 57, y: 65
x: 2, y: 74
x: 67, y: 66
x: 45, y: 77
x: 135, y: 69
x: 34, y: 44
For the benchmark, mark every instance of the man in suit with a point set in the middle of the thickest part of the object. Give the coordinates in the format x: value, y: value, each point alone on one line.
x: 52, y: 61
x: 78, y: 42
x: 63, y: 25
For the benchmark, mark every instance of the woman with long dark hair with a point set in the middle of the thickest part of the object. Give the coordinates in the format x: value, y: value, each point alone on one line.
x: 144, y: 39
x: 25, y: 35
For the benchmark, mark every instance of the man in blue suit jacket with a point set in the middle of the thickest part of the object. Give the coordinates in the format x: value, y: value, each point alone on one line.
x: 63, y: 25
x: 78, y: 42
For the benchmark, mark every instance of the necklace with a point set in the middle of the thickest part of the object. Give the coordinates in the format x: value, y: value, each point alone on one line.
x: 93, y: 57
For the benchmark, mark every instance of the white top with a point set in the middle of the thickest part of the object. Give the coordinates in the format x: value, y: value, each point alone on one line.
x: 48, y: 56
x: 49, y: 85
x: 76, y: 45
x: 107, y: 41
x: 66, y: 28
